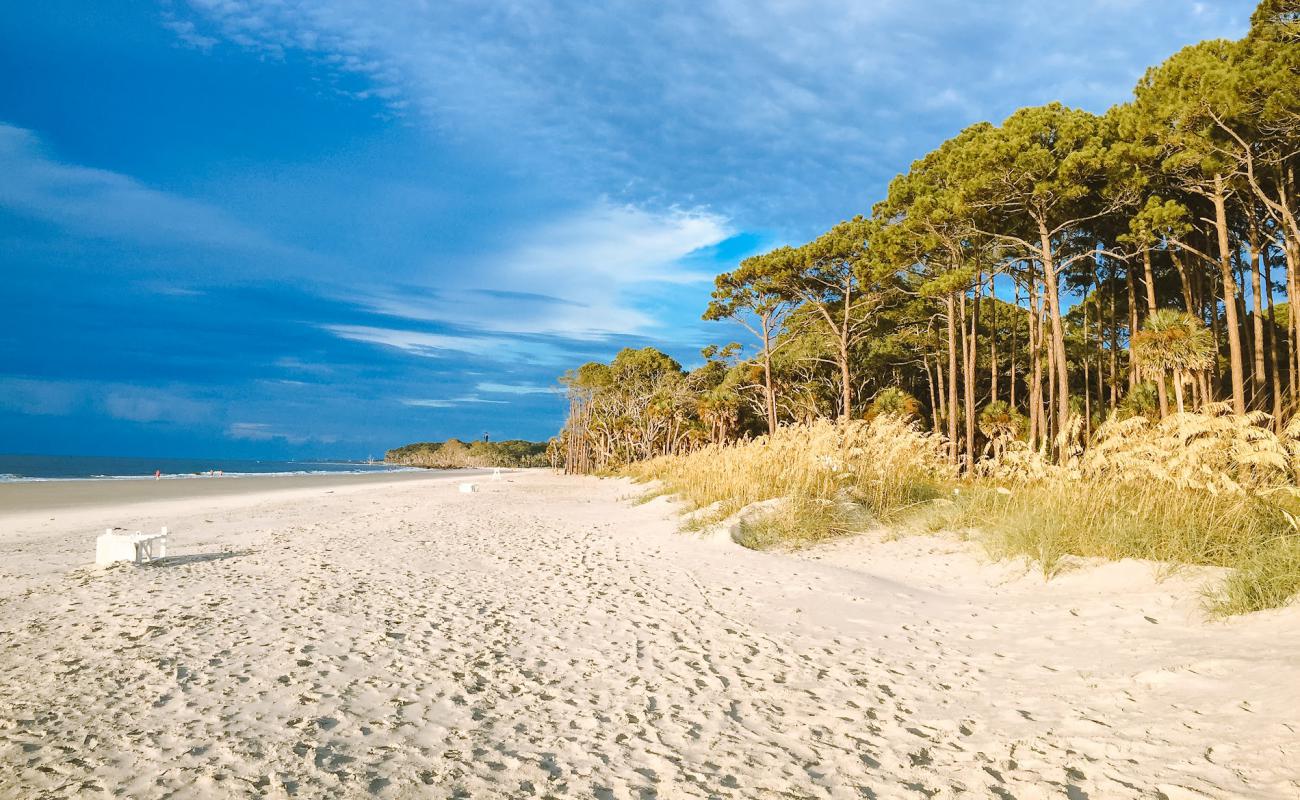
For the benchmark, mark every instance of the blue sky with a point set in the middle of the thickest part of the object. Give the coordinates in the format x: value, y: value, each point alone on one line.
x: 276, y: 228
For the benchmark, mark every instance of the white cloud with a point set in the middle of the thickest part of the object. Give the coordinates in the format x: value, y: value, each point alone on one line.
x: 791, y: 108
x: 263, y: 432
x: 99, y: 202
x: 517, y: 388
x: 252, y: 431
x: 40, y: 397
x: 438, y: 345
x: 153, y: 405
x: 451, y: 403
x: 298, y: 365
x: 415, y: 342
x: 581, y: 276
x: 133, y: 403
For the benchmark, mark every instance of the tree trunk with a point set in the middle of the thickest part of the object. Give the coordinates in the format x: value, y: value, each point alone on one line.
x: 972, y: 371
x: 1149, y: 279
x: 1188, y: 304
x: 1087, y: 381
x: 1232, y: 323
x: 967, y: 382
x: 1259, y: 375
x: 1210, y: 380
x: 846, y: 376
x: 1062, y: 371
x: 846, y: 385
x: 1011, y: 355
x: 1053, y: 420
x: 1293, y: 315
x: 1132, y: 325
x: 1037, y: 422
x: 993, y: 343
x: 771, y: 391
x: 1114, y: 339
x: 934, y: 400
x: 952, y: 378
x: 1274, y: 366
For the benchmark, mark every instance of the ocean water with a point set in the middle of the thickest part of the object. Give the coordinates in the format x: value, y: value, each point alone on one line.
x: 38, y: 468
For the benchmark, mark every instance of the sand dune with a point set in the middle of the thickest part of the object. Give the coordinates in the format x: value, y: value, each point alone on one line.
x: 545, y: 637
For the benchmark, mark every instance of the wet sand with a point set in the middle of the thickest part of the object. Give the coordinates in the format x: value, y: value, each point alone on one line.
x: 57, y: 495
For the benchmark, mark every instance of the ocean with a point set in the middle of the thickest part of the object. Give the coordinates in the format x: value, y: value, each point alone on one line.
x: 45, y: 468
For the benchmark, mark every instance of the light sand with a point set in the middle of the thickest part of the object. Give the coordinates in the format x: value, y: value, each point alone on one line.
x: 545, y: 638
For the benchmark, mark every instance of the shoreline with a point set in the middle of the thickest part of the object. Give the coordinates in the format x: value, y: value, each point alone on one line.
x: 77, y: 493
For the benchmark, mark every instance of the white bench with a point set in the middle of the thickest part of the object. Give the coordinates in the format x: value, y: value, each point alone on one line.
x: 137, y: 548
x: 468, y: 488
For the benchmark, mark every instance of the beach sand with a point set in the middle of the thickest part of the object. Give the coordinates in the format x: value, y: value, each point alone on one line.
x: 392, y: 637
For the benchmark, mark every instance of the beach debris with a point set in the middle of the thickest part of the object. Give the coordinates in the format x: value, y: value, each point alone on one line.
x: 137, y: 548
x: 467, y: 488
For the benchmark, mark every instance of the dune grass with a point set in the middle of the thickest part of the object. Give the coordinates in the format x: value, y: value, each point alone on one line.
x: 802, y: 522
x: 1199, y: 489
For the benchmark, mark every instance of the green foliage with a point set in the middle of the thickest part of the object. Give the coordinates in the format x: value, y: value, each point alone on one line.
x: 1140, y: 401
x: 1176, y: 106
x: 998, y: 421
x: 1173, y: 341
x: 1268, y: 577
x: 802, y: 522
x: 455, y: 454
x: 1120, y: 519
x: 896, y: 402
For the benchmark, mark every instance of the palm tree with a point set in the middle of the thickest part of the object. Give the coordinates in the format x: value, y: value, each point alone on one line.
x: 895, y: 401
x: 1174, y: 341
x: 1000, y: 423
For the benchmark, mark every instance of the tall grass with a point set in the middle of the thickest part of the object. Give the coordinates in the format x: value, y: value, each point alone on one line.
x: 1208, y: 488
x: 882, y: 467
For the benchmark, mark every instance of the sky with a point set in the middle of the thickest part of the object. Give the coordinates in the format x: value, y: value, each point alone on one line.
x: 324, y: 228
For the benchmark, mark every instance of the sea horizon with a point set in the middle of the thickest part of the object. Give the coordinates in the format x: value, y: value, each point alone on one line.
x: 19, y: 467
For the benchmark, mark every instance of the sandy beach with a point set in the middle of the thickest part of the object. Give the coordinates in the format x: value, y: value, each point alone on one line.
x: 388, y: 636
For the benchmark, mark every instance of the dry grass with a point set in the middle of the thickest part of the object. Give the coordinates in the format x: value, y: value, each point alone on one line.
x: 1208, y: 488
x: 882, y: 467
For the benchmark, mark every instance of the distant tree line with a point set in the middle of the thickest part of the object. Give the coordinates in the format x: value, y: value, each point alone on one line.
x: 1172, y: 223
x: 454, y: 454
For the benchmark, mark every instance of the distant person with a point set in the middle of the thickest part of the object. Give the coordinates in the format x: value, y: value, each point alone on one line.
x: 157, y: 474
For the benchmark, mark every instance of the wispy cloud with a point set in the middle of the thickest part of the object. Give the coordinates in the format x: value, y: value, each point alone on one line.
x: 517, y: 388
x: 120, y: 401
x: 760, y: 104
x: 442, y: 345
x: 582, y: 276
x: 419, y: 343
x: 99, y: 202
x: 40, y: 397
x: 138, y: 404
x: 265, y: 432
x: 452, y: 402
